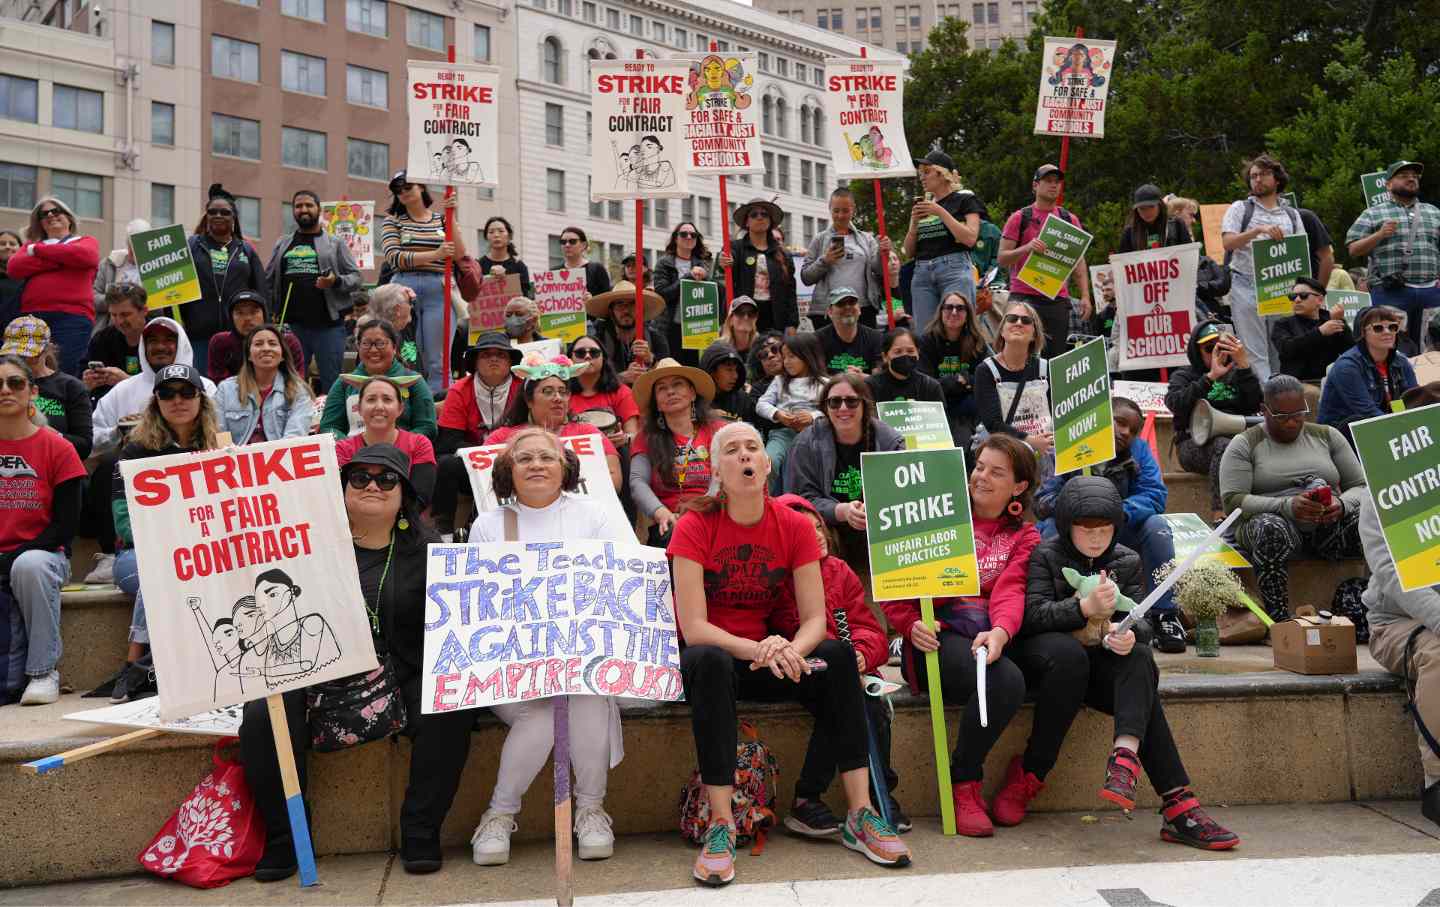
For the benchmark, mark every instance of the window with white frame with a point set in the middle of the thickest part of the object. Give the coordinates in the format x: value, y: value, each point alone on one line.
x: 78, y: 108
x: 247, y: 215
x: 162, y: 123
x: 782, y: 172
x: 482, y: 44
x: 597, y: 209
x: 424, y: 29
x: 162, y: 203
x: 704, y: 217
x: 807, y: 178
x: 590, y: 12
x: 82, y: 193
x: 162, y: 43
x: 555, y: 125
x: 302, y: 73
x: 769, y: 158
x: 17, y: 186
x: 612, y: 19
x: 554, y: 190
x: 368, y: 17
x: 367, y: 87
x: 805, y: 123
x: 552, y: 63
x: 314, y: 10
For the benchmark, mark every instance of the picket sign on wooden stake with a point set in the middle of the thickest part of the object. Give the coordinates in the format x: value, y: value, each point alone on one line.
x: 564, y: 861
x: 726, y: 228
x: 69, y: 757
x: 294, y: 799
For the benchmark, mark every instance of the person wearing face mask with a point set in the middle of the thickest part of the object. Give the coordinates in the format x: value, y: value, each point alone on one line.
x: 900, y: 379
x: 1312, y: 339
x: 1369, y: 377
x: 849, y: 346
x: 522, y: 320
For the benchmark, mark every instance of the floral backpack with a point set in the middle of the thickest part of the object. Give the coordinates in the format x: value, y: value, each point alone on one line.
x: 215, y: 836
x: 753, y: 802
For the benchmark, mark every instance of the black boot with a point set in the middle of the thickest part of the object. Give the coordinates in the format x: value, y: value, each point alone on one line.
x: 420, y: 854
x: 1430, y: 803
x: 278, y: 861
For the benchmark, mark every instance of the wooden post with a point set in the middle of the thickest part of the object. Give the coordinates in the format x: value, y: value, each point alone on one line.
x: 937, y: 722
x: 449, y: 333
x: 69, y: 757
x: 290, y: 783
x: 564, y: 862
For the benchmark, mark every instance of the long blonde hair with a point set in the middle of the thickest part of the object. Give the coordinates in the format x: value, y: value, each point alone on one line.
x: 250, y: 388
x: 154, y: 433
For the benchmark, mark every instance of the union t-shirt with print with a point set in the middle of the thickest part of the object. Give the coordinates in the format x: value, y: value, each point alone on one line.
x: 30, y: 469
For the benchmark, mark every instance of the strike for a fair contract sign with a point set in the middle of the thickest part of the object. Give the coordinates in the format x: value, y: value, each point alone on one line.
x: 865, y: 118
x: 1400, y: 454
x: 1075, y: 78
x: 918, y: 527
x: 639, y: 148
x: 1155, y: 304
x: 1084, y: 422
x: 454, y: 124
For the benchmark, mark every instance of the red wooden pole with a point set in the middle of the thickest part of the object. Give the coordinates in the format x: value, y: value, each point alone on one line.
x: 1065, y: 143
x: 880, y: 231
x: 640, y: 257
x: 725, y: 224
x: 449, y: 266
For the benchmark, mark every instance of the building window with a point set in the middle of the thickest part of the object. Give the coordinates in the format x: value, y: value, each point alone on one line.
x: 914, y: 17
x: 162, y: 204
x: 818, y: 76
x: 637, y: 26
x: 19, y: 99
x: 822, y: 18
x: 554, y: 190
x: 658, y: 32
x: 424, y: 29
x: 612, y: 19
x: 706, y: 221
x: 302, y: 73
x: 367, y: 160
x: 368, y: 17
x: 162, y: 123
x: 782, y: 66
x: 368, y: 87
x: 977, y: 13
x: 567, y: 7
x: 84, y: 194
x: 800, y: 74
x: 662, y: 212
x: 314, y: 10
x: 764, y: 61
x: 782, y: 118
x: 702, y: 43
x: 590, y: 12
x: 809, y: 234
x: 17, y: 186
x: 782, y: 166
x: 767, y: 114
x: 805, y: 124
x: 649, y: 211
x: 807, y: 178
x: 162, y: 43
x: 875, y: 14
x: 555, y: 125
x: 682, y: 38
x: 822, y: 183
x: 818, y: 129
x: 78, y: 108
x: 769, y: 158
x: 687, y: 209
x: 231, y: 58
x: 556, y: 251
x: 247, y: 215
x: 234, y: 136
x: 614, y: 211
x: 837, y: 19
x: 992, y: 12
x: 902, y: 46
x: 302, y: 148
x: 589, y: 125
x: 552, y: 68
x: 287, y: 216
x: 617, y: 252
x: 597, y: 209
x: 482, y: 44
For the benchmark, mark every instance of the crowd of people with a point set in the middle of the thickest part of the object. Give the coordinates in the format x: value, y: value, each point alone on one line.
x: 743, y: 462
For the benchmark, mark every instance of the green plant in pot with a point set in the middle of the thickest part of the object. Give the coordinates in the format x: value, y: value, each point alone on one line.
x: 1204, y: 592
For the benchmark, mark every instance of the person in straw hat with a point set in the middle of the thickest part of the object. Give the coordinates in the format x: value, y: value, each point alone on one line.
x: 761, y: 266
x: 615, y: 327
x: 670, y: 459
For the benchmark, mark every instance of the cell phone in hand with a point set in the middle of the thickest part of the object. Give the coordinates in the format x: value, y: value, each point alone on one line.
x: 837, y: 242
x: 94, y: 365
x: 1321, y: 495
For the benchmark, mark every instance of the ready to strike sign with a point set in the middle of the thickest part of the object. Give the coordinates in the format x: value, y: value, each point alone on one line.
x: 922, y: 542
x: 1084, y: 422
x: 1401, y: 458
x: 722, y: 118
x: 527, y: 620
x: 167, y: 270
x: 639, y: 148
x: 1075, y: 78
x: 865, y: 118
x: 560, y: 297
x: 1065, y: 246
x: 1155, y: 305
x: 1277, y: 263
x: 454, y: 124
x: 922, y: 423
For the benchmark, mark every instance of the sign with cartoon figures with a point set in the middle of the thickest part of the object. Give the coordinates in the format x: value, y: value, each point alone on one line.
x: 354, y: 223
x: 454, y: 123
x: 865, y: 118
x: 1075, y: 78
x: 722, y: 116
x: 639, y: 148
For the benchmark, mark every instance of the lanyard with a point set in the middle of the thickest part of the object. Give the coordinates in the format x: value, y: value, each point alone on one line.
x: 374, y: 611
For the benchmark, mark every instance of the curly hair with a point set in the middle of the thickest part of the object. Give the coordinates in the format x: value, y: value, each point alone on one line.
x: 1266, y: 162
x: 502, y: 477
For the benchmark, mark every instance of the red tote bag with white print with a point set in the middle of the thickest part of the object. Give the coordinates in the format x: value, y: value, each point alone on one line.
x: 216, y: 835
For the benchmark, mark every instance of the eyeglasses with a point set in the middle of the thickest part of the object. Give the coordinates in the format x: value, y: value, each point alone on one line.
x: 50, y: 212
x: 769, y: 351
x: 16, y: 383
x: 219, y: 212
x: 543, y: 457
x: 1389, y: 327
x: 1019, y: 319
x: 184, y: 391
x: 836, y: 402
x: 952, y: 309
x: 570, y: 242
x: 385, y: 480
x: 550, y: 393
x: 587, y: 352
x: 1288, y: 417
x: 1296, y: 297
x: 377, y: 344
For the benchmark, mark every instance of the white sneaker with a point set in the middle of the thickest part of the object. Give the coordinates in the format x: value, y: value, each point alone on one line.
x: 491, y: 841
x: 42, y: 690
x: 104, y: 572
x: 592, y: 828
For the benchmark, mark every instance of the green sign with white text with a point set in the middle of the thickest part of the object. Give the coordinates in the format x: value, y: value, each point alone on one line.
x: 1400, y: 454
x: 699, y: 314
x: 1352, y: 301
x: 1080, y: 402
x: 1277, y: 263
x: 922, y: 423
x: 167, y: 270
x: 1372, y: 185
x: 921, y: 538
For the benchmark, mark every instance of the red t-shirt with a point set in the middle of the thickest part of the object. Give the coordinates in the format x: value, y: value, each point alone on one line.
x: 749, y: 570
x: 29, y: 471
x: 692, y: 465
x: 568, y: 430
x: 461, y: 412
x: 1012, y: 232
x: 621, y: 402
x: 417, y: 447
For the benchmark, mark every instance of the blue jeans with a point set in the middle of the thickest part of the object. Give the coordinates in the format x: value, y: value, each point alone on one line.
x: 777, y: 447
x: 1413, y: 301
x: 127, y: 577
x: 326, y: 346
x: 934, y: 279
x: 1154, y: 542
x: 35, y: 581
x: 71, y: 333
x: 430, y: 305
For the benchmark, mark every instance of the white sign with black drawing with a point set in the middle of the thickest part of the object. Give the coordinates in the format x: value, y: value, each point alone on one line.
x: 454, y: 111
x: 638, y: 149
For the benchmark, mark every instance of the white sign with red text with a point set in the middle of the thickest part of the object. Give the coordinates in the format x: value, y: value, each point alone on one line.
x: 1075, y: 75
x: 639, y: 148
x: 865, y: 118
x: 1155, y: 305
x: 722, y: 115
x: 454, y: 124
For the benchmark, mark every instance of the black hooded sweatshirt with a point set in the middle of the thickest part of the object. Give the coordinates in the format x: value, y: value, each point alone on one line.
x: 1238, y: 392
x: 735, y: 404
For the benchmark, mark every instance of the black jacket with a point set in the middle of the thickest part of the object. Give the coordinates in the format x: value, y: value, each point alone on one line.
x: 781, y: 311
x: 944, y: 360
x: 402, y: 604
x: 667, y: 284
x: 1238, y: 392
x: 735, y: 404
x: 919, y: 386
x: 210, y: 314
x: 1305, y: 352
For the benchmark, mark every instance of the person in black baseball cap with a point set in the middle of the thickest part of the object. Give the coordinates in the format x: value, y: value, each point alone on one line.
x: 1148, y: 225
x: 1045, y: 170
x: 944, y: 227
x: 1020, y: 237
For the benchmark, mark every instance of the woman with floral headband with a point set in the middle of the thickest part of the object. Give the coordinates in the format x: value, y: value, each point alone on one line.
x: 545, y: 401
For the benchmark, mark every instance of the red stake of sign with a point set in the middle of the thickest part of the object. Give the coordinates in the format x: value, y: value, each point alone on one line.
x: 880, y: 231
x: 449, y: 266
x: 1065, y: 144
x: 725, y: 223
x: 640, y: 258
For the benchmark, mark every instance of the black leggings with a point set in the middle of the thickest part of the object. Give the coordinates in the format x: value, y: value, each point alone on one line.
x: 1272, y: 541
x: 715, y: 680
x: 1004, y: 694
x: 99, y: 518
x: 819, y: 768
x: 451, y: 481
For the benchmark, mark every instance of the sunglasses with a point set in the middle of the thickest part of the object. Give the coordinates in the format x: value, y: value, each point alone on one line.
x: 16, y: 383
x: 569, y: 242
x: 385, y: 480
x: 769, y: 351
x: 1387, y: 328
x: 219, y: 212
x: 588, y: 352
x: 50, y: 212
x: 838, y: 401
x: 184, y: 391
x: 1296, y: 297
x: 688, y: 234
x: 952, y: 309
x: 1019, y: 319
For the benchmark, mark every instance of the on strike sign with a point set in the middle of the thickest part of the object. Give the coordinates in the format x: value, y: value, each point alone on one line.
x: 639, y: 149
x: 722, y: 122
x: 454, y: 124
x: 865, y: 118
x: 1074, y: 81
x: 1155, y: 303
x: 921, y: 538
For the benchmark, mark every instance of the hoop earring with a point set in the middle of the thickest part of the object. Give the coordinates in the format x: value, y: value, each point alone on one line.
x: 1015, y: 508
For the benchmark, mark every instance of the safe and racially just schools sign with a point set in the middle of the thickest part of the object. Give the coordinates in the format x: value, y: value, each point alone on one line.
x: 560, y: 297
x: 922, y: 423
x: 1190, y: 532
x: 1277, y: 263
x: 1080, y: 397
x: 1065, y: 246
x: 922, y: 542
x: 167, y: 269
x: 1075, y: 78
x: 454, y: 123
x: 639, y: 148
x: 527, y: 620
x: 1400, y: 454
x: 722, y: 115
x: 865, y: 118
x: 1155, y: 304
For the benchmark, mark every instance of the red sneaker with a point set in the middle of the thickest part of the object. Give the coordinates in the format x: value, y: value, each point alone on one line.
x: 1120, y: 776
x: 970, y: 817
x: 1020, y: 788
x: 1187, y: 823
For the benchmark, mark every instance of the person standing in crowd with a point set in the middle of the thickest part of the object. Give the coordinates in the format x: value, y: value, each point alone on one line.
x: 500, y: 256
x: 114, y: 352
x: 226, y: 263
x: 1021, y: 237
x: 1182, y: 212
x: 741, y: 325
x: 1012, y: 387
x: 1401, y: 237
x: 944, y: 226
x: 58, y: 266
x: 1000, y: 486
x: 1219, y: 373
x: 390, y: 539
x: 1312, y: 339
x: 476, y: 404
x: 573, y: 246
x: 413, y: 243
x: 901, y: 378
x: 1149, y: 224
x: 267, y: 399
x: 599, y: 388
x: 1370, y: 377
x: 761, y: 267
x: 1298, y: 486
x: 522, y: 320
x: 844, y: 256
x: 380, y: 407
x: 790, y: 400
x: 10, y: 286
x: 378, y: 343
x: 736, y: 555
x: 396, y: 304
x: 671, y: 459
x: 311, y: 278
x: 950, y: 350
x: 117, y: 267
x: 614, y: 326
x: 726, y: 368
x: 59, y: 397
x: 848, y: 345
x: 544, y: 400
x: 164, y: 343
x: 247, y: 311
x: 39, y: 511
x: 685, y: 258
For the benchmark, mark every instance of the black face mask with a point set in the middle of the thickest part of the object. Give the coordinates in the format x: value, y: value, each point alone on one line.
x: 904, y: 365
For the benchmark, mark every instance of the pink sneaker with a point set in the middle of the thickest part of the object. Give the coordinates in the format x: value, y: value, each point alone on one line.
x: 871, y: 835
x: 716, y: 864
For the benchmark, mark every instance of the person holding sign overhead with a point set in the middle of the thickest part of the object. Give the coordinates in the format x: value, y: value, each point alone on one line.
x: 1021, y: 237
x: 671, y: 459
x: 737, y: 555
x: 944, y: 226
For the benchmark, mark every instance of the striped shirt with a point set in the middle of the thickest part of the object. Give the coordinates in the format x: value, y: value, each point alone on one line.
x: 401, y: 236
x: 1413, y: 252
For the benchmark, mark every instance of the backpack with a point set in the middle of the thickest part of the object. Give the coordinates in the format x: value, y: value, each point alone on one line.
x: 753, y: 802
x: 1027, y: 216
x: 987, y: 246
x: 1296, y: 224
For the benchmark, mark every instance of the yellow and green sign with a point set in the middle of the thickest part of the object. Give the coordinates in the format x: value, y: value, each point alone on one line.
x: 1352, y: 301
x: 921, y: 422
x: 1401, y: 457
x: 1065, y: 246
x: 1190, y: 532
x: 699, y: 314
x: 921, y: 538
x: 167, y: 270
x: 1277, y: 263
x: 1080, y: 403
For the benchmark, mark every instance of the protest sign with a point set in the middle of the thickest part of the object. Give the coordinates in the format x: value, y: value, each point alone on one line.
x: 1074, y: 80
x: 1212, y: 219
x: 595, y: 480
x: 1190, y: 532
x: 722, y: 116
x: 1102, y: 285
x: 865, y: 118
x: 560, y: 297
x: 354, y: 224
x: 270, y: 602
x: 922, y: 542
x: 804, y: 293
x: 1155, y: 305
x: 1065, y: 246
x: 548, y: 348
x: 922, y: 423
x: 1352, y: 301
x: 486, y: 312
x: 639, y: 148
x: 454, y: 113
x: 1401, y: 459
x: 517, y: 621
x: 1080, y: 395
x: 145, y: 713
x: 167, y: 270
x: 699, y: 314
x: 1148, y: 395
x: 1373, y: 188
x: 1277, y: 263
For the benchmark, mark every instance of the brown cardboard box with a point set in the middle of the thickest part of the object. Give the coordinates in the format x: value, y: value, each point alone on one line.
x: 1307, y: 645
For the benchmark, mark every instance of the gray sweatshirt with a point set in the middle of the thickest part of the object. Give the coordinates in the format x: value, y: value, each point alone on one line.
x: 1385, y: 601
x: 1259, y: 475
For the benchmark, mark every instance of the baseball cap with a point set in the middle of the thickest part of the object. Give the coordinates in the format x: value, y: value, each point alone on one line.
x: 399, y: 179
x: 938, y: 158
x: 26, y: 337
x: 738, y: 301
x: 383, y: 454
x: 1148, y: 194
x: 1208, y: 334
x: 840, y: 294
x: 180, y: 372
x: 1403, y: 165
x: 1045, y: 170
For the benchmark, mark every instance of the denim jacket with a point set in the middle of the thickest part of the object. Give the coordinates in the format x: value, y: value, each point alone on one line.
x: 282, y: 419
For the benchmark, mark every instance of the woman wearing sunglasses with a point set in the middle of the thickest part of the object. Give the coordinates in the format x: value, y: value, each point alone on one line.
x: 381, y: 403
x: 739, y: 329
x: 1012, y: 387
x: 1369, y: 377
x: 685, y: 258
x: 764, y: 362
x: 599, y: 388
x: 1310, y: 340
x: 951, y: 348
x: 58, y: 267
x: 180, y: 417
x: 544, y: 400
x: 413, y: 243
x: 573, y: 246
x: 226, y: 264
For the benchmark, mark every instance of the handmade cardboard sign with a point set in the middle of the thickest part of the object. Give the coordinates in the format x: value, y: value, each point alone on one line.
x: 487, y: 311
x: 1400, y: 454
x: 865, y: 118
x: 1065, y: 246
x: 1080, y: 397
x: 594, y: 473
x: 1075, y: 78
x: 639, y: 148
x: 454, y: 113
x: 922, y: 423
x: 1277, y: 263
x: 167, y: 269
x: 247, y: 593
x: 722, y: 115
x: 1212, y: 219
x: 354, y: 224
x: 517, y: 621
x: 1190, y: 532
x: 699, y: 314
x: 560, y: 296
x: 918, y: 527
x: 1155, y: 305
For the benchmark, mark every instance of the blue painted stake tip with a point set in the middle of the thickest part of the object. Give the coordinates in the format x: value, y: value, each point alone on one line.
x: 48, y: 764
x: 300, y: 833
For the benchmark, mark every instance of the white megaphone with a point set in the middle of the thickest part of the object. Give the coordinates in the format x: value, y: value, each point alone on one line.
x: 1207, y: 422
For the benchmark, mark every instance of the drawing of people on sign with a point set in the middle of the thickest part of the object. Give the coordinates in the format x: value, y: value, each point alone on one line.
x: 462, y: 168
x: 1077, y: 66
x: 641, y: 167
x: 871, y: 150
x: 718, y: 81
